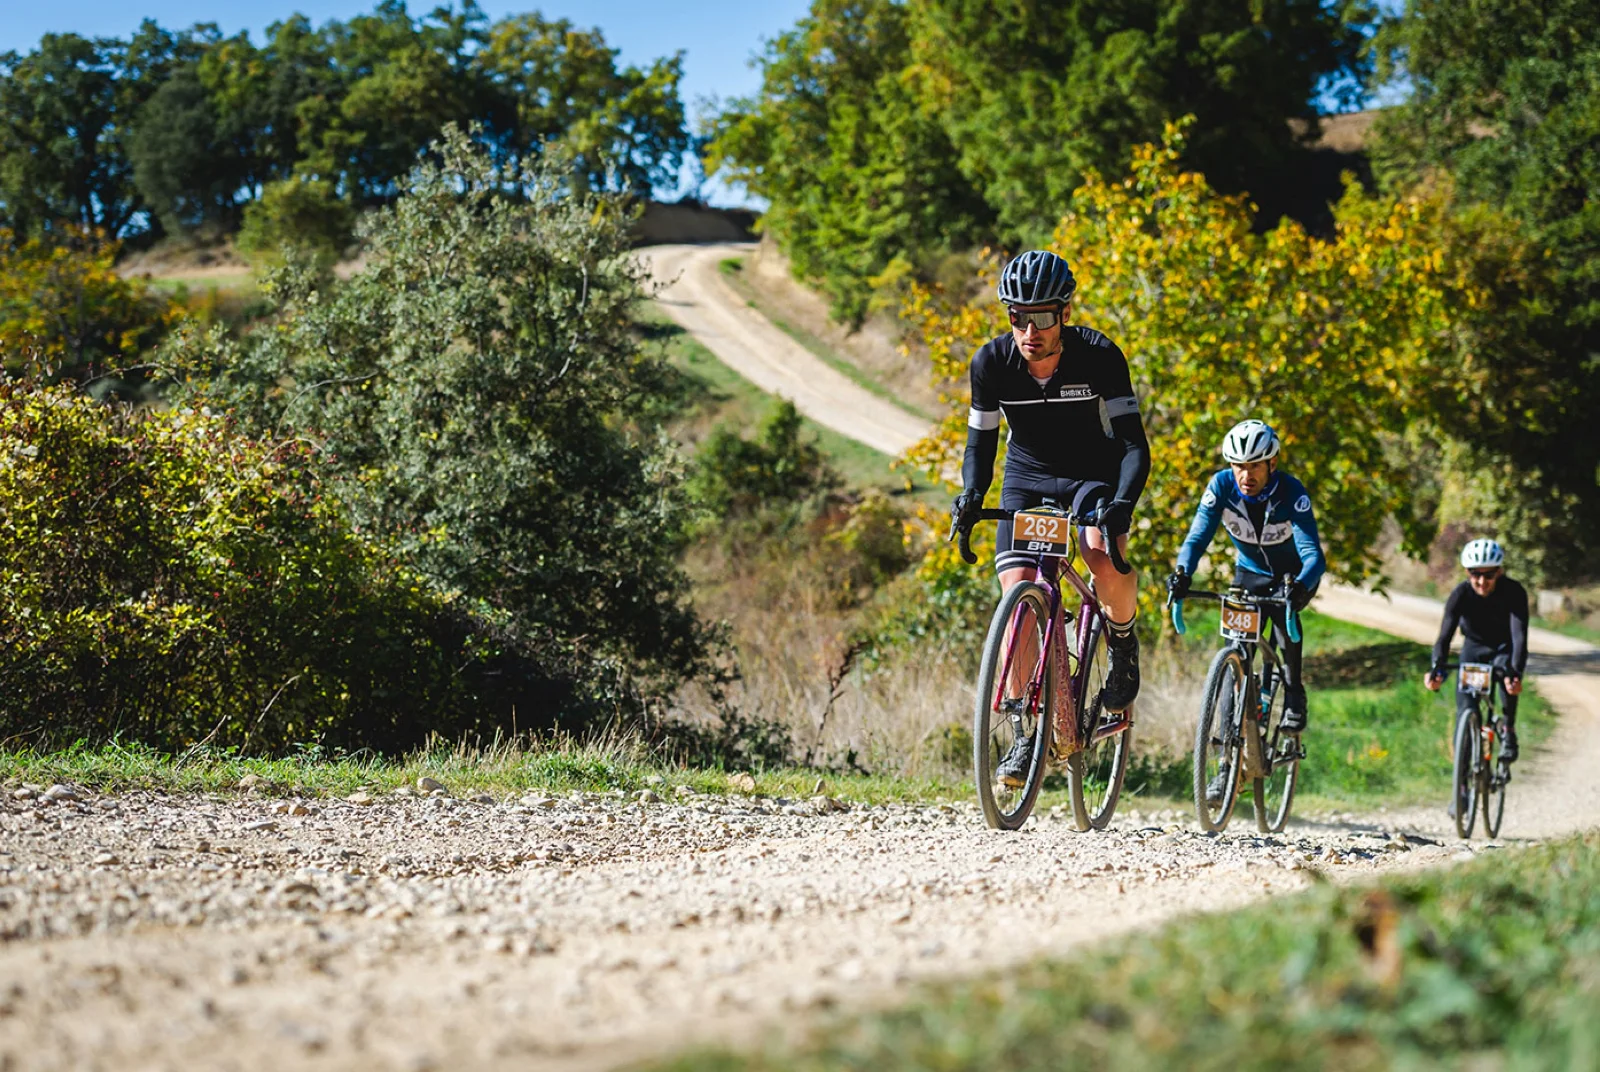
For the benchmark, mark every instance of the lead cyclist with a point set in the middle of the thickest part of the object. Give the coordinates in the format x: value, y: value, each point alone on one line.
x: 1076, y: 437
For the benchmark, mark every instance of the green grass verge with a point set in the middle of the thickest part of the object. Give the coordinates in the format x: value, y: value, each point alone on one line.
x: 1495, y: 964
x: 549, y: 767
x: 728, y: 398
x: 732, y: 269
x: 1376, y: 735
x: 1582, y: 630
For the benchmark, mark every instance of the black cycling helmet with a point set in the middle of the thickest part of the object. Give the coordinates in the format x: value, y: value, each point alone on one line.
x: 1037, y: 277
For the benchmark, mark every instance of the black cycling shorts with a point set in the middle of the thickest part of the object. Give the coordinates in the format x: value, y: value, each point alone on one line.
x: 1029, y: 491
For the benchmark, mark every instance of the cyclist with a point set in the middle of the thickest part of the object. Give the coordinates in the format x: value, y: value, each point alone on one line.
x: 1267, y: 514
x: 1492, y: 612
x: 1076, y: 437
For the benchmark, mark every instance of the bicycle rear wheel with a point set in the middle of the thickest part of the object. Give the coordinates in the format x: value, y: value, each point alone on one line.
x: 1094, y: 775
x: 1274, y: 794
x: 1464, y: 784
x: 1218, y: 740
x: 998, y: 721
x: 1493, y: 784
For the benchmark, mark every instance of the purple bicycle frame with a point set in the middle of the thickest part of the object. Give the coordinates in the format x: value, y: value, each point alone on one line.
x: 1065, y: 715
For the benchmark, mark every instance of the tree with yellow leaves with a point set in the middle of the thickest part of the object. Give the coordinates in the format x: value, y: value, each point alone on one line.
x: 1335, y: 342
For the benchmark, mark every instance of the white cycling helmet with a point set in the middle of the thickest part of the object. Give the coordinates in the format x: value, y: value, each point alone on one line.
x: 1250, y: 441
x: 1482, y: 554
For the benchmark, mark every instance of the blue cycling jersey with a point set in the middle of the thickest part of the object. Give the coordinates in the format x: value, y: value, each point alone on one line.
x: 1286, y: 541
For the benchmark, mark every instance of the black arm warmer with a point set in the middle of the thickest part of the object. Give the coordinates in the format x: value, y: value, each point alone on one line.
x: 977, y: 464
x: 1519, y: 635
x: 1129, y: 429
x: 1447, y: 628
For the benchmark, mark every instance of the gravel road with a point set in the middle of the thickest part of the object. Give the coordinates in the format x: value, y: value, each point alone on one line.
x: 412, y: 932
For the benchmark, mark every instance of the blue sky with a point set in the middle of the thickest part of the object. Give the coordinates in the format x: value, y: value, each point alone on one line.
x: 718, y: 37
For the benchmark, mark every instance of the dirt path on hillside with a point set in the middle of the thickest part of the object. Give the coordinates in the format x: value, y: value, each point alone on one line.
x: 700, y: 300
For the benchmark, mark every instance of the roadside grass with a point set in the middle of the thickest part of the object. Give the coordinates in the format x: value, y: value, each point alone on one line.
x: 732, y: 269
x: 1494, y: 964
x: 722, y: 396
x: 1582, y: 629
x: 503, y: 768
x: 1376, y: 736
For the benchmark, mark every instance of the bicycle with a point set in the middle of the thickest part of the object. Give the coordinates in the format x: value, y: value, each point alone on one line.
x: 1029, y: 626
x: 1477, y: 772
x: 1238, y: 736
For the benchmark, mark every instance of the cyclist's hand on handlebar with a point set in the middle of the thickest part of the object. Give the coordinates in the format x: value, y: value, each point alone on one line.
x: 1177, y: 584
x: 965, y: 508
x: 1513, y: 685
x: 1432, y: 680
x: 1116, y: 517
x: 1298, y: 595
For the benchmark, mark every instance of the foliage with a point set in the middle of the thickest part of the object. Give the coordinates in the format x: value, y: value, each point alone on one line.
x: 1332, y: 341
x: 67, y: 316
x: 737, y: 476
x: 297, y: 214
x: 165, y: 580
x: 480, y: 406
x: 1506, y: 103
x: 886, y: 135
x: 1493, y: 963
x: 66, y: 112
x: 177, y: 132
x: 858, y: 172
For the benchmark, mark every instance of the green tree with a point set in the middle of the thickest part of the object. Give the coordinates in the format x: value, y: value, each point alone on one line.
x: 558, y: 88
x: 480, y: 402
x: 858, y: 171
x: 66, y: 111
x: 1506, y: 101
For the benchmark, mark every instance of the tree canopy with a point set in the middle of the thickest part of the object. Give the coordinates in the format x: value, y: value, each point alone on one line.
x: 886, y: 130
x: 177, y: 131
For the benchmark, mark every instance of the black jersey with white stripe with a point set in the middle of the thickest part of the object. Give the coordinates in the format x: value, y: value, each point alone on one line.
x: 1060, y: 428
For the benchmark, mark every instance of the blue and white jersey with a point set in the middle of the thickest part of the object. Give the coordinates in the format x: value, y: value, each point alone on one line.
x: 1285, y: 541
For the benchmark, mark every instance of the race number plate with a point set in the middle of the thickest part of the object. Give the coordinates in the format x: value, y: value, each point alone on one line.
x: 1041, y: 534
x: 1476, y: 676
x: 1241, y: 621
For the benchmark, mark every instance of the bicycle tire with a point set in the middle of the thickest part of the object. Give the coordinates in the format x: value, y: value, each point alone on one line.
x: 1273, y: 796
x: 1007, y: 807
x: 1095, y: 774
x: 1218, y: 721
x: 1493, y: 786
x: 1464, y: 778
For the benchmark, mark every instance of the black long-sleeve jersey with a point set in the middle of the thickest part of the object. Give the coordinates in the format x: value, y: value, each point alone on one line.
x: 1496, y: 623
x: 1057, y: 428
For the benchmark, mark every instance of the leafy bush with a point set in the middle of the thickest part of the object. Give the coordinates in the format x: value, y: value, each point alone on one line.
x: 479, y: 406
x: 67, y: 316
x: 165, y: 580
x: 734, y: 475
x: 308, y: 214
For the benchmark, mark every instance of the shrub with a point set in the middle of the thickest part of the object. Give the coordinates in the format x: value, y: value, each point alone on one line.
x: 305, y: 214
x: 734, y: 475
x: 165, y: 580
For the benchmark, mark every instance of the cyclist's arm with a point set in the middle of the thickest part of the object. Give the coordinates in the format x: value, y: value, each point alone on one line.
x: 1519, y: 632
x: 1135, y: 467
x: 1115, y: 385
x: 1202, y: 528
x: 1447, y: 628
x: 983, y: 430
x: 1303, y: 522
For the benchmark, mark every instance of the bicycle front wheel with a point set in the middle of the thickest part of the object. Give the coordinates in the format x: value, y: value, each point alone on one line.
x: 1464, y: 801
x: 1493, y: 782
x: 1095, y: 774
x: 1218, y: 740
x: 1010, y: 722
x: 1274, y: 794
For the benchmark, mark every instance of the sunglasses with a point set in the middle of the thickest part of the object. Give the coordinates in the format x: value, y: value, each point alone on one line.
x: 1043, y: 320
x: 1482, y: 574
